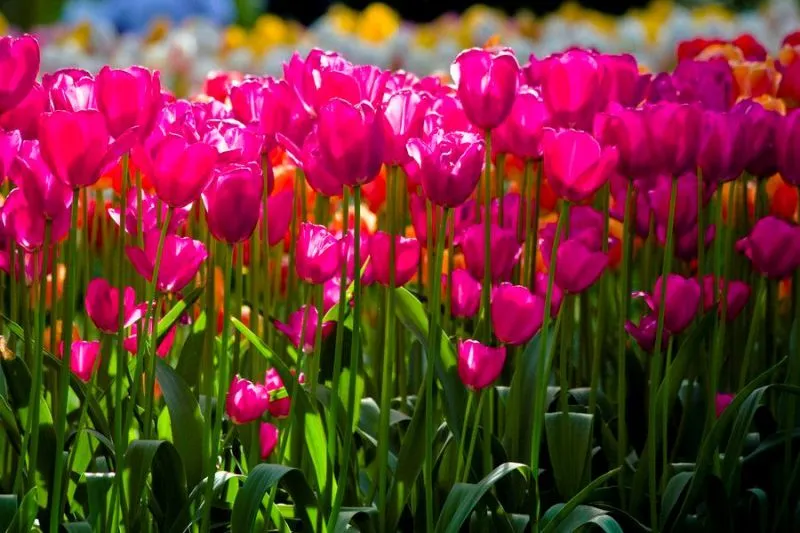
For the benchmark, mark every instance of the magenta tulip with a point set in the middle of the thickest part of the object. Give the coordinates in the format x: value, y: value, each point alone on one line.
x: 267, y: 438
x: 487, y: 82
x: 131, y: 342
x: 247, y: 100
x: 578, y: 267
x: 406, y: 258
x: 179, y: 169
x: 680, y: 304
x: 10, y: 143
x: 348, y: 253
x: 43, y: 192
x: 738, y: 294
x: 761, y: 126
x: 403, y: 112
x: 505, y: 252
x: 675, y: 130
x: 180, y: 260
x: 150, y: 215
x: 787, y: 140
x: 465, y: 294
x: 479, y: 365
x: 246, y: 401
x: 309, y: 160
x: 26, y: 223
x: 645, y: 333
x: 685, y: 203
x: 24, y: 117
x: 83, y: 359
x: 575, y: 164
x: 574, y: 88
x: 318, y: 254
x: 234, y: 142
x: 129, y: 98
x: 279, y: 403
x: 303, y: 337
x: 521, y: 132
x: 627, y: 130
x: 622, y: 79
x: 233, y: 202
x: 540, y: 282
x: 773, y: 247
x: 19, y: 66
x: 517, y: 314
x: 70, y: 89
x: 284, y: 112
x: 722, y: 401
x: 102, y: 306
x: 720, y: 154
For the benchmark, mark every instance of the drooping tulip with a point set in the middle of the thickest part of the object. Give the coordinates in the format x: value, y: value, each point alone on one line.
x: 268, y: 439
x: 773, y: 247
x: 246, y: 401
x: 448, y: 165
x: 406, y: 257
x: 487, y: 82
x: 465, y: 294
x: 351, y: 141
x: 574, y: 88
x: 522, y: 130
x: 505, y: 251
x: 279, y: 403
x: 70, y: 89
x: 19, y: 66
x: 102, y: 306
x: 129, y: 98
x: 646, y: 331
x: 517, y: 314
x: 180, y: 260
x: 479, y: 365
x: 403, y: 113
x: 681, y: 301
x: 578, y: 267
x: 42, y: 190
x: 318, y: 254
x: 233, y: 202
x: 179, y: 169
x: 575, y: 164
x: 300, y: 337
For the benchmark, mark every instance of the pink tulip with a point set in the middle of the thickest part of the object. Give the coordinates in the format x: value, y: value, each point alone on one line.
x: 77, y: 146
x: 318, y: 254
x: 465, y: 294
x: 70, y: 89
x: 233, y: 202
x: 578, y: 267
x: 517, y: 314
x: 722, y: 401
x: 179, y: 169
x: 149, y: 212
x: 10, y: 143
x: 102, y: 306
x: 83, y: 359
x: 406, y: 258
x: 449, y: 166
x: 479, y: 365
x: 233, y: 141
x: 447, y: 113
x: 180, y: 260
x: 645, y: 333
x: 759, y: 148
x: 627, y: 130
x: 487, y: 84
x: 575, y: 164
x: 278, y: 407
x: 522, y: 131
x: 309, y: 160
x: 403, y: 112
x: 622, y: 79
x: 247, y: 99
x: 505, y: 252
x: 246, y: 401
x: 24, y: 117
x: 129, y: 98
x: 680, y: 304
x: 280, y: 209
x: 675, y: 130
x: 540, y: 282
x: 685, y: 203
x: 773, y: 247
x: 347, y: 249
x: 720, y: 156
x: 268, y: 439
x: 26, y: 223
x: 305, y: 337
x: 738, y: 294
x: 787, y: 139
x: 43, y: 192
x: 574, y: 87
x: 19, y: 65
x: 131, y: 342
x: 284, y: 112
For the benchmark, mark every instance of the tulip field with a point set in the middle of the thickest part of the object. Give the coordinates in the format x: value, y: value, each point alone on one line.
x: 545, y: 294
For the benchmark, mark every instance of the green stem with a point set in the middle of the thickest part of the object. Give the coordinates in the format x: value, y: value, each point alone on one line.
x: 665, y: 419
x: 485, y: 332
x: 473, y: 438
x: 566, y: 329
x: 758, y: 315
x: 463, y: 440
x: 534, y: 234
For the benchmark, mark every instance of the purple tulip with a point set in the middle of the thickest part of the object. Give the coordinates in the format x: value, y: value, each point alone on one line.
x: 773, y: 247
x: 505, y: 252
x: 761, y: 127
x: 788, y: 139
x: 645, y: 333
x: 681, y: 301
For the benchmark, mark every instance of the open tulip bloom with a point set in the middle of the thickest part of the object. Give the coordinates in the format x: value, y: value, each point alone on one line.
x: 346, y: 295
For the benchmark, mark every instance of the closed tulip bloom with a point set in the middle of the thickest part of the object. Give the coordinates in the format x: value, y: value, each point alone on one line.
x: 578, y: 267
x: 318, y: 254
x: 179, y: 169
x: 280, y: 208
x: 300, y: 337
x: 479, y: 365
x: 102, y: 306
x: 447, y: 113
x: 77, y: 146
x: 761, y: 126
x: 675, y: 129
x: 623, y: 81
x: 180, y: 260
x: 720, y: 154
x: 246, y: 401
x: 406, y: 258
x: 84, y: 359
x: 449, y: 166
x: 247, y: 100
x: 680, y: 304
x: 19, y: 66
x: 738, y: 294
x: 574, y: 88
x: 465, y: 294
x: 70, y: 89
x: 26, y: 223
x: 773, y: 247
x: 517, y: 313
x: 505, y: 252
x: 24, y: 117
x: 524, y: 127
x: 722, y: 401
x: 645, y: 332
x: 309, y: 159
x: 129, y: 98
x: 284, y: 112
x: 279, y: 403
x: 709, y: 83
x: 403, y: 112
x: 234, y: 142
x: 42, y: 190
x: 351, y: 141
x: 233, y: 202
x: 575, y: 164
x: 788, y: 139
x: 10, y: 143
x: 487, y: 82
x: 267, y: 439
x: 686, y: 243
x: 627, y: 130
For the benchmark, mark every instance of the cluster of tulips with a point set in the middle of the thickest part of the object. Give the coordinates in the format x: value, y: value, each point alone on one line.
x: 386, y: 293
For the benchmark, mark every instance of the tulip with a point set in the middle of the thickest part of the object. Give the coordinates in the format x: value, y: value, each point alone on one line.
x: 738, y: 294
x: 577, y: 267
x: 680, y: 304
x: 278, y: 406
x: 773, y: 247
x: 309, y: 159
x: 247, y: 100
x: 574, y: 88
x: 447, y: 113
x: 348, y: 252
x: 403, y: 113
x: 540, y: 282
x: 233, y: 202
x: 43, y: 192
x: 70, y: 89
x: 675, y: 130
x: 84, y: 358
x: 645, y: 333
x: 246, y: 401
x: 487, y: 83
x: 77, y: 146
x: 351, y: 141
x: 102, y: 306
x: 720, y: 154
x: 479, y: 365
x: 129, y: 98
x: 517, y: 314
x: 585, y: 224
x: 303, y: 337
x: 26, y: 223
x: 180, y: 260
x: 284, y: 112
x: 24, y: 117
x: 709, y: 83
x: 722, y: 401
x: 19, y: 66
x: 787, y: 140
x: 759, y: 148
x: 179, y: 170
x: 318, y: 254
x: 627, y: 130
x: 505, y: 252
x: 131, y: 342
x: 575, y: 164
x: 150, y: 215
x: 267, y: 438
x: 685, y: 203
x: 449, y: 166
x: 523, y: 129
x: 407, y: 253
x: 465, y: 294
x: 686, y: 243
x: 10, y: 143
x: 622, y: 79
x: 218, y: 83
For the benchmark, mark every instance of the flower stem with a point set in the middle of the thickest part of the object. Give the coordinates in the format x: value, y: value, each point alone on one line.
x: 535, y: 231
x: 627, y: 258
x: 462, y: 442
x: 473, y: 438
x: 485, y: 333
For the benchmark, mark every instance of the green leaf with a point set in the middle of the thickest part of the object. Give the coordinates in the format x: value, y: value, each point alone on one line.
x: 672, y: 494
x: 26, y: 513
x: 221, y: 480
x: 362, y: 517
x: 174, y: 314
x: 259, y: 481
x: 77, y: 527
x: 731, y: 465
x: 553, y: 521
x: 189, y: 362
x: 186, y: 420
x: 98, y: 485
x: 8, y: 508
x: 464, y: 497
x: 161, y: 459
x: 9, y: 423
x: 569, y: 442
